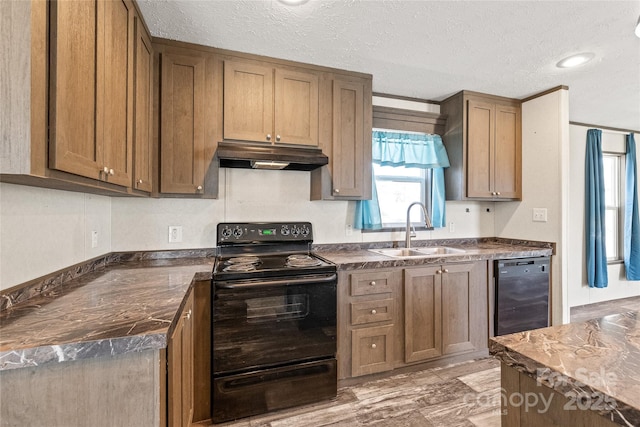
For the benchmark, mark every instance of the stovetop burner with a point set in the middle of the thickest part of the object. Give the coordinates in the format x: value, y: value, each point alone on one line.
x: 302, y: 261
x: 249, y: 251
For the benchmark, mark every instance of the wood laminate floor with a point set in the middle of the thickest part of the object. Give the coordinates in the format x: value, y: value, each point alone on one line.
x: 460, y: 395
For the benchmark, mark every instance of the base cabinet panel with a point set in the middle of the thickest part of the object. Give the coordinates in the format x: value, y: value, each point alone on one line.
x: 392, y: 318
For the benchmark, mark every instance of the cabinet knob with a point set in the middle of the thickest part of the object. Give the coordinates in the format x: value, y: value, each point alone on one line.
x: 438, y: 271
x: 336, y: 191
x: 445, y: 271
x: 278, y: 138
x: 372, y: 283
x: 498, y: 193
x: 199, y: 188
x: 139, y: 181
x: 111, y: 172
x: 188, y: 315
x: 105, y: 170
x: 374, y: 311
x: 268, y: 137
x: 373, y: 346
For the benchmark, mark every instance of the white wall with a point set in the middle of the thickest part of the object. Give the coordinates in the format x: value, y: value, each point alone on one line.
x: 44, y: 230
x: 579, y: 291
x: 545, y: 125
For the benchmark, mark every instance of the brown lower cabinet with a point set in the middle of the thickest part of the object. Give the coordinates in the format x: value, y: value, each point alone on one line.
x: 180, y: 369
x: 395, y: 317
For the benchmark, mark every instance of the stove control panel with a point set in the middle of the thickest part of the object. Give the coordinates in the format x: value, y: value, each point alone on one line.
x: 263, y: 232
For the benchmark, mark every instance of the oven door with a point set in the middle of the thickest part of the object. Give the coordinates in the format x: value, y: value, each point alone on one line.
x: 271, y: 323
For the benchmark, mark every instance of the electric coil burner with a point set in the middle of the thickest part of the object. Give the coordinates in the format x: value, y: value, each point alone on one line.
x: 274, y: 320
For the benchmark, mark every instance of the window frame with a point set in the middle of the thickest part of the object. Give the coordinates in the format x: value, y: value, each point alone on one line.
x: 424, y: 180
x: 618, y: 207
x: 393, y: 119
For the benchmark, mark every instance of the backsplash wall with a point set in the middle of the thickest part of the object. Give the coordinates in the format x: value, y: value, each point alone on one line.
x: 43, y: 230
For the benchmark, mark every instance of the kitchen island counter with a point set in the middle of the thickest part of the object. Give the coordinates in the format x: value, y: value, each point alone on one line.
x: 585, y: 373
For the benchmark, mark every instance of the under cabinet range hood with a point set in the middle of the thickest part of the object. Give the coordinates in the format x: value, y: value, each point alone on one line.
x: 263, y: 156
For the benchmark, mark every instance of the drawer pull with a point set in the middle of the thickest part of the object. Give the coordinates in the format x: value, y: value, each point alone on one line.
x: 374, y: 311
x: 372, y: 283
x: 373, y: 346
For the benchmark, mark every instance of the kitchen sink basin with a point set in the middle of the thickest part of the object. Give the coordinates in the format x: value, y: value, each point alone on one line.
x: 417, y: 252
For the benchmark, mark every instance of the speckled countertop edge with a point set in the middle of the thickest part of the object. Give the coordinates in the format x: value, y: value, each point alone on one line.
x: 600, y: 386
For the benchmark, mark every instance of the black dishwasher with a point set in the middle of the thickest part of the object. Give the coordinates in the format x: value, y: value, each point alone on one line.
x: 522, y: 294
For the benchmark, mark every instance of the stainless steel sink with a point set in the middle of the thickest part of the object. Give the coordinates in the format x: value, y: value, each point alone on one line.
x: 417, y: 252
x: 439, y: 250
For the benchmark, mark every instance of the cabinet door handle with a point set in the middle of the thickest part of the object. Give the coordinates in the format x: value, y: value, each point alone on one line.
x: 278, y: 138
x: 372, y: 283
x: 268, y: 137
x: 373, y: 346
x: 374, y: 311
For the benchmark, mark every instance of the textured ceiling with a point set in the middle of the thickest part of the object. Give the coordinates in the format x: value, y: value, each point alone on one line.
x: 432, y: 49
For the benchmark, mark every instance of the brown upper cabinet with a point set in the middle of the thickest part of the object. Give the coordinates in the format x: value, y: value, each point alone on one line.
x: 91, y: 89
x: 483, y: 138
x: 346, y: 120
x: 187, y: 122
x: 271, y: 104
x: 143, y: 109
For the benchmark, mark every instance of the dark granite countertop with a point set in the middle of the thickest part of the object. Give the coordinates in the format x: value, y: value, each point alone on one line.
x: 126, y: 302
x: 596, y: 363
x: 117, y: 309
x: 356, y: 257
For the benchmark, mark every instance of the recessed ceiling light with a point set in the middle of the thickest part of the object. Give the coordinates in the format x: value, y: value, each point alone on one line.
x: 575, y: 60
x: 293, y: 2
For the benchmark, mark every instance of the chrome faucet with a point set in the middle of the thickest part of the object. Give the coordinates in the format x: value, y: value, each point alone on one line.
x: 427, y: 221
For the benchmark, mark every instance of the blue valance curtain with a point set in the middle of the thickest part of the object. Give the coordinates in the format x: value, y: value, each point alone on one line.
x: 595, y: 212
x: 631, y: 215
x: 409, y: 150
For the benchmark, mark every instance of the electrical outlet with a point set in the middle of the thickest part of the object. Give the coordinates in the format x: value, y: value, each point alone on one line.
x: 175, y: 233
x: 94, y: 239
x: 540, y: 214
x: 348, y: 230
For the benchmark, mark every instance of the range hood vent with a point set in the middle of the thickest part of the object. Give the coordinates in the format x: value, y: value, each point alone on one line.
x: 261, y: 156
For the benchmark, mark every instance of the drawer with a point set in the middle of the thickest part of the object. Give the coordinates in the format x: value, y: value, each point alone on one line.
x: 371, y: 350
x: 375, y: 282
x: 372, y: 311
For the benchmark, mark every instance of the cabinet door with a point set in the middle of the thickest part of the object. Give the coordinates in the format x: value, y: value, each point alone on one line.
x: 115, y: 96
x: 480, y: 137
x: 348, y: 160
x: 180, y: 369
x: 248, y: 101
x: 508, y: 158
x: 143, y: 133
x: 75, y: 134
x: 296, y: 107
x: 182, y: 138
x: 372, y: 350
x: 458, y: 295
x: 422, y: 313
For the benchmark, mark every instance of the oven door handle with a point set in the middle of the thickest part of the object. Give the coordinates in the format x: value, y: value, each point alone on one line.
x: 280, y: 282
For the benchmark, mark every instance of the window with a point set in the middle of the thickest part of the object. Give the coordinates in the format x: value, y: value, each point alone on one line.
x: 613, y: 164
x: 397, y: 188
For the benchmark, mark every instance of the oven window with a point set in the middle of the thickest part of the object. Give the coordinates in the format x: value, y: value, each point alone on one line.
x: 281, y: 307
